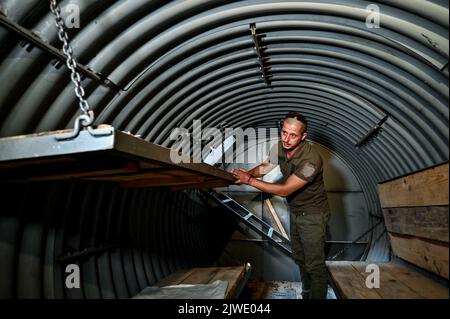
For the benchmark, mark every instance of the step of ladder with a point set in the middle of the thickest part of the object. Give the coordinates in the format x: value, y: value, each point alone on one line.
x: 244, y: 215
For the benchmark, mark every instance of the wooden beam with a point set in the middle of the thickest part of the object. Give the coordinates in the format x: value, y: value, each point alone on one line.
x: 425, y: 222
x: 426, y: 254
x: 425, y: 188
x: 275, y: 218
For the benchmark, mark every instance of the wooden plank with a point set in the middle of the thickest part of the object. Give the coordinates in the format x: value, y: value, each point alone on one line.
x: 151, y: 174
x: 396, y: 282
x: 37, y: 162
x: 424, y: 222
x: 174, y: 185
x: 234, y: 276
x: 349, y: 282
x: 175, y: 278
x: 424, y: 286
x: 390, y: 286
x: 203, y: 185
x: 207, y: 275
x: 432, y: 256
x: 82, y: 168
x: 166, y: 181
x: 425, y: 188
x: 27, y: 152
x: 177, y: 178
x: 146, y: 150
x: 201, y: 275
x: 275, y: 218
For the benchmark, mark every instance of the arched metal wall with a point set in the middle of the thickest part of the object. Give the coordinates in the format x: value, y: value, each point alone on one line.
x: 175, y: 61
x: 123, y: 240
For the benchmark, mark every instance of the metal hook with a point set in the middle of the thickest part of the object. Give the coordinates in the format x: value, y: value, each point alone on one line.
x: 83, y: 121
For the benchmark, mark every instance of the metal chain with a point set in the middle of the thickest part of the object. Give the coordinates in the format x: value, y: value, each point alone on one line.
x: 70, y: 62
x: 84, y: 120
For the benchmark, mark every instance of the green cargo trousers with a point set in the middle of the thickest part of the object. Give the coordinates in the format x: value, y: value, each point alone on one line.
x: 308, y: 234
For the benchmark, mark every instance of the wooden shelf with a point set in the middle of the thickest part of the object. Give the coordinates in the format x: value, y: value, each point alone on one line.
x: 114, y: 157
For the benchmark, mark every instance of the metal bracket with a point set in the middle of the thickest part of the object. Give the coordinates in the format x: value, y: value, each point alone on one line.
x: 373, y: 132
x: 85, y: 121
x: 262, y: 59
x: 86, y: 253
x: 34, y: 39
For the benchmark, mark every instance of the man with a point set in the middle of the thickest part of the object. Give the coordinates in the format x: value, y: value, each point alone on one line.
x: 303, y: 187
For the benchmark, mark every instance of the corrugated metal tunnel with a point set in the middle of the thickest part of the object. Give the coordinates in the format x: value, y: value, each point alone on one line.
x: 376, y: 97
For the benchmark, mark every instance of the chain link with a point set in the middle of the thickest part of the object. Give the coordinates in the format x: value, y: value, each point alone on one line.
x: 70, y: 61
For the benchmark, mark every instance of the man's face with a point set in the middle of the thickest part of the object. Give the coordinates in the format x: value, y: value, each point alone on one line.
x: 291, y: 133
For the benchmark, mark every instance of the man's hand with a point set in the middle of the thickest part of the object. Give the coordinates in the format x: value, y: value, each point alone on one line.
x: 241, y: 176
x: 292, y: 184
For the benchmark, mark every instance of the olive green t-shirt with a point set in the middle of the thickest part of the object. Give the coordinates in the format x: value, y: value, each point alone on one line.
x: 307, y: 164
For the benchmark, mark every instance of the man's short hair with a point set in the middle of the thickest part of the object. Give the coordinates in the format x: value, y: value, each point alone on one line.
x: 298, y: 117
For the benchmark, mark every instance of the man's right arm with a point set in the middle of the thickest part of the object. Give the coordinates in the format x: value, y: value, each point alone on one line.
x: 266, y: 166
x: 262, y: 169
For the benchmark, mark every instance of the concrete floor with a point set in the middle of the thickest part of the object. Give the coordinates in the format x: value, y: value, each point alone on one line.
x: 276, y: 290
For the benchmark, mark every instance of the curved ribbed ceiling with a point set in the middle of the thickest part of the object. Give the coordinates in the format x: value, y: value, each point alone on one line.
x: 173, y: 62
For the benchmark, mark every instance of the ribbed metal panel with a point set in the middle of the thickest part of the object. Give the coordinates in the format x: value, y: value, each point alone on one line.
x: 154, y: 232
x: 183, y: 60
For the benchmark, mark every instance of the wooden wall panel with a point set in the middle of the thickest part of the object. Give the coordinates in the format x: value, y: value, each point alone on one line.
x: 423, y: 253
x: 425, y: 188
x: 425, y: 222
x: 416, y: 213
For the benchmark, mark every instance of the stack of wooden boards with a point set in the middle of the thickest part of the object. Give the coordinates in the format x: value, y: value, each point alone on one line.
x: 416, y: 213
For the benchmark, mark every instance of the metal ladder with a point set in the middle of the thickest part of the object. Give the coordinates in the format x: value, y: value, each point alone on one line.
x: 245, y: 216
